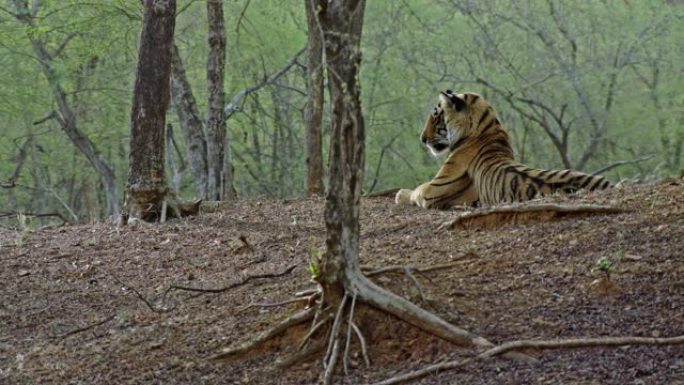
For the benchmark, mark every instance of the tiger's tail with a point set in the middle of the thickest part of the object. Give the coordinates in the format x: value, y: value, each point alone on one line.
x: 524, y: 183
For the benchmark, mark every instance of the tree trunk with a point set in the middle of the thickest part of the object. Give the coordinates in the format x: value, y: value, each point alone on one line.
x: 190, y: 122
x: 313, y: 111
x: 146, y: 188
x: 66, y: 117
x: 339, y: 269
x: 341, y: 22
x: 220, y: 171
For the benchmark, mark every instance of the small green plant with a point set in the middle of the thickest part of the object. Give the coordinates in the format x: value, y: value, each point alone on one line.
x: 315, y: 255
x: 603, y: 266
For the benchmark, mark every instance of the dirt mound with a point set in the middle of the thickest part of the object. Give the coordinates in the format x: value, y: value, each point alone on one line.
x: 93, y: 304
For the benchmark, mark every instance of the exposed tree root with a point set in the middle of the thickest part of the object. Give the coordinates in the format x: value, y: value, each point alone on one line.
x: 533, y: 344
x: 295, y: 319
x: 331, y: 363
x: 314, y: 328
x: 301, y: 355
x: 364, y: 346
x: 274, y: 304
x: 523, y: 213
x: 337, y: 339
x: 345, y: 356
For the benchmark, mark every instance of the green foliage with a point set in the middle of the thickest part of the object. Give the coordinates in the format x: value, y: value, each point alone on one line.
x: 631, y: 51
x: 603, y: 266
x: 315, y: 257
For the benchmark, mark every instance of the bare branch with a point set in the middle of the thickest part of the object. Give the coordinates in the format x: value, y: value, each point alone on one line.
x: 232, y: 285
x: 61, y: 47
x: 234, y: 104
x: 621, y: 163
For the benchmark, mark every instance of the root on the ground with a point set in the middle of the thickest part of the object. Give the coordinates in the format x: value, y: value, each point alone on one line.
x: 523, y: 213
x: 533, y: 344
x: 295, y: 319
x: 336, y: 340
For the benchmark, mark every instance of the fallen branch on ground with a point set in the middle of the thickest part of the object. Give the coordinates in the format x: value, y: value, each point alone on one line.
x: 523, y: 213
x: 147, y: 303
x: 534, y: 344
x: 85, y: 328
x: 232, y: 285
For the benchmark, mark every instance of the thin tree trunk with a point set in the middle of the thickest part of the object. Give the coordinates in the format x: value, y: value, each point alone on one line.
x: 340, y: 271
x: 341, y: 22
x: 146, y: 188
x: 66, y: 117
x: 313, y: 111
x: 220, y: 171
x: 190, y: 123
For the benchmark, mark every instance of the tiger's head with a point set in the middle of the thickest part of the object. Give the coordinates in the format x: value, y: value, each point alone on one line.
x: 456, y: 117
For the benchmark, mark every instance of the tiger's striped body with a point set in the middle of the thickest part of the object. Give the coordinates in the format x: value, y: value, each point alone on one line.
x: 480, y: 167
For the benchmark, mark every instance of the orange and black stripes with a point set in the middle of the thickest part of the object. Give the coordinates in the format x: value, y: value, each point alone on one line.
x: 480, y: 167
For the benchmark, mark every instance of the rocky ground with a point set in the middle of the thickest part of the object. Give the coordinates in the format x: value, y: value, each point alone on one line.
x: 92, y: 303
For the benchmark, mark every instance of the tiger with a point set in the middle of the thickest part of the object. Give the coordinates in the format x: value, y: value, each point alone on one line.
x: 480, y: 168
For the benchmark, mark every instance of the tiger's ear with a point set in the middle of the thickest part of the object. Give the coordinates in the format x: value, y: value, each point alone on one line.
x: 458, y: 103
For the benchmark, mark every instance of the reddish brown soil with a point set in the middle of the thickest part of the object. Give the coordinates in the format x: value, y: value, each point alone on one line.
x: 69, y: 312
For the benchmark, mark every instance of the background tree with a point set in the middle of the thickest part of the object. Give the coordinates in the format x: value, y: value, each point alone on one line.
x: 219, y: 163
x: 65, y: 115
x: 146, y: 188
x: 313, y: 110
x: 493, y: 50
x: 338, y: 271
x: 190, y: 123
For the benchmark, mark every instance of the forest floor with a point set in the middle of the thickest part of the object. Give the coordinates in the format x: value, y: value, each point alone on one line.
x: 91, y: 304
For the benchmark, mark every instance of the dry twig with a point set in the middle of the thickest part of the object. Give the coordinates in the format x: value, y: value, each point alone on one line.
x: 232, y: 285
x: 87, y: 327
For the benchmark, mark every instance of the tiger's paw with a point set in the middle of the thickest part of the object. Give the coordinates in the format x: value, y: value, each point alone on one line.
x: 403, y: 197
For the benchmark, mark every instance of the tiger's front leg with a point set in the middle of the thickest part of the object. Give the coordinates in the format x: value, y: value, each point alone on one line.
x: 414, y: 197
x: 440, y: 194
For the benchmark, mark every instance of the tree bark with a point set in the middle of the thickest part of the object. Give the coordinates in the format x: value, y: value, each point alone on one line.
x: 66, y: 117
x: 146, y: 187
x: 190, y: 122
x: 313, y: 110
x: 341, y: 22
x: 220, y: 170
